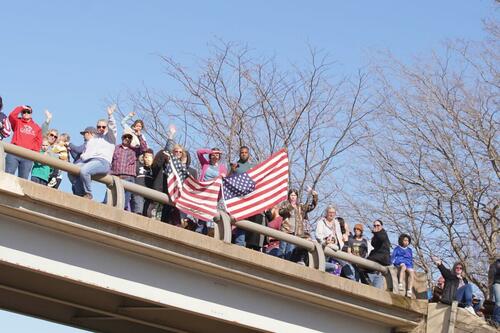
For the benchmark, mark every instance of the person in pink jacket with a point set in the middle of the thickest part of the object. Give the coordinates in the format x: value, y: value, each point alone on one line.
x: 212, y: 167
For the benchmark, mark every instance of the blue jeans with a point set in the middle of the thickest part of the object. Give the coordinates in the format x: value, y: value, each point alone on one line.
x: 464, y: 295
x: 286, y: 250
x: 496, y: 294
x: 13, y: 163
x: 275, y: 252
x: 83, y: 183
x: 137, y: 204
x: 128, y: 195
x: 239, y: 237
x: 376, y: 280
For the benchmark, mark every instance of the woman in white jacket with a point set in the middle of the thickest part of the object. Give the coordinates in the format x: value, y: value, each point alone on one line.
x: 328, y: 231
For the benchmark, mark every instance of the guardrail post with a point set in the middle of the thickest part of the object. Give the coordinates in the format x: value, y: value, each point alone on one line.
x: 116, y: 193
x: 222, y: 230
x: 317, y: 257
x: 2, y: 158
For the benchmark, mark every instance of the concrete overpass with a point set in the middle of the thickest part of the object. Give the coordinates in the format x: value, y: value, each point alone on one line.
x: 78, y: 262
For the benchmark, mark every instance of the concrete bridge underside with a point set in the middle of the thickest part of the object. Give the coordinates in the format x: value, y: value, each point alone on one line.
x: 81, y: 263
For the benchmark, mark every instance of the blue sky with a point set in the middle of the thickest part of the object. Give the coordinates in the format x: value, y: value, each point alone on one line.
x: 70, y: 56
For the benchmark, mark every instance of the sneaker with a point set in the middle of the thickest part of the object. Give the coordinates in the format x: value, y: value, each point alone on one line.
x: 400, y: 286
x: 301, y: 263
x: 471, y: 310
x: 408, y: 293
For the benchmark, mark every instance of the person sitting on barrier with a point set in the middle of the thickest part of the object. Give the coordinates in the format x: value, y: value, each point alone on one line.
x: 381, y: 253
x: 272, y: 246
x: 136, y: 129
x: 144, y: 177
x: 40, y: 173
x: 358, y: 246
x: 294, y: 214
x: 27, y: 134
x: 5, y: 128
x: 329, y: 234
x: 60, y: 150
x: 123, y: 164
x: 402, y: 258
x: 456, y: 286
x: 437, y: 291
x: 97, y: 156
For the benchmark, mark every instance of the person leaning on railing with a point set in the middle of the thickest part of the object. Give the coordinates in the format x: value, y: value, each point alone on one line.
x: 294, y: 214
x: 381, y: 254
x: 456, y: 286
x: 27, y: 134
x: 97, y: 156
x: 329, y: 234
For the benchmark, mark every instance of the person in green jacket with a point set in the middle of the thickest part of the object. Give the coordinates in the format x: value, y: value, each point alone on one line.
x: 40, y: 173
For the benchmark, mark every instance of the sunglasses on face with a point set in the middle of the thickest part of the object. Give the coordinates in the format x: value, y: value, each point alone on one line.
x: 26, y: 111
x: 53, y: 135
x: 101, y: 127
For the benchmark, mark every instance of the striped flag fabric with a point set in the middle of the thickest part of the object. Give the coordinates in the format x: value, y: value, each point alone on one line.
x: 191, y: 196
x: 259, y: 189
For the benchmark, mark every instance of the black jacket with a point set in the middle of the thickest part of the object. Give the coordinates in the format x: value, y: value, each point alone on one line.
x: 381, y: 252
x: 451, y: 282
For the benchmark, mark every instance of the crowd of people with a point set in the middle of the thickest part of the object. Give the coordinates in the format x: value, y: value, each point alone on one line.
x: 133, y: 160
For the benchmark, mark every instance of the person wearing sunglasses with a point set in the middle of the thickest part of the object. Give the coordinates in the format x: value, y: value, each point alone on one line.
x: 27, y: 134
x: 381, y: 253
x: 97, y: 156
x: 456, y: 286
x: 5, y: 128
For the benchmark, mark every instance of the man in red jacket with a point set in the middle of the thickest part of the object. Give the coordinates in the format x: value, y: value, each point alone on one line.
x: 27, y: 134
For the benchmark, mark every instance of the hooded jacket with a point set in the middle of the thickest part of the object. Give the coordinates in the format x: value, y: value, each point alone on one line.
x: 451, y: 282
x: 27, y: 133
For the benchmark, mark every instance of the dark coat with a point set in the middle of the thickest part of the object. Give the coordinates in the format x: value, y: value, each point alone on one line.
x: 381, y: 252
x: 451, y: 282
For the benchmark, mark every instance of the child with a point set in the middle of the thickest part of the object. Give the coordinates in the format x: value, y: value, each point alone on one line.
x: 135, y: 130
x: 402, y: 257
x: 60, y: 149
x: 41, y: 172
x: 144, y: 178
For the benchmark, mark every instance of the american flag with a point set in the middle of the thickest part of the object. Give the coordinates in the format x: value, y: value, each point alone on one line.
x: 259, y: 189
x: 190, y: 195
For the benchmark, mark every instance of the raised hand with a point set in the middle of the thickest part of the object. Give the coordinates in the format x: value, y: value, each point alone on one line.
x: 171, y: 131
x: 111, y: 109
x: 132, y: 114
x: 48, y: 115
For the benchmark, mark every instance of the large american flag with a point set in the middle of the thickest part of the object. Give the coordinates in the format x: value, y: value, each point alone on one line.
x: 259, y: 189
x: 190, y: 195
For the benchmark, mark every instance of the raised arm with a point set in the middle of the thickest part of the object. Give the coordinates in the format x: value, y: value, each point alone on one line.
x: 46, y: 123
x: 112, y: 133
x: 201, y: 155
x: 126, y: 119
x: 14, y: 116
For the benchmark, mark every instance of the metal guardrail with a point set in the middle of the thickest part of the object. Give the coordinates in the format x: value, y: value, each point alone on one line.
x: 117, y: 187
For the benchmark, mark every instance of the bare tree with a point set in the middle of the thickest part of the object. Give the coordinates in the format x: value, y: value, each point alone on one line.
x: 434, y: 164
x: 234, y: 98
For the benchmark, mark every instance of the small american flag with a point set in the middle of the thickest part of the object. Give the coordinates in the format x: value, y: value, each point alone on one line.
x: 259, y: 189
x: 190, y: 195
